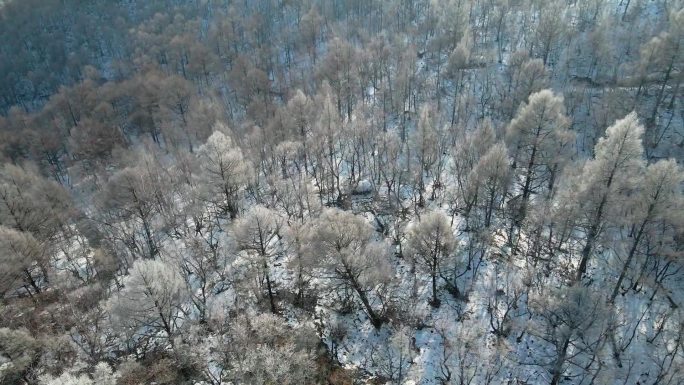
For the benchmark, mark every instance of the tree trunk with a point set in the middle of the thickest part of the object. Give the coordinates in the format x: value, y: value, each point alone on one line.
x: 435, y: 267
x: 32, y: 281
x: 490, y: 208
x: 624, y: 14
x: 661, y: 91
x: 630, y: 256
x: 558, y: 366
x: 376, y: 320
x: 594, y: 229
x: 528, y: 180
x: 270, y: 290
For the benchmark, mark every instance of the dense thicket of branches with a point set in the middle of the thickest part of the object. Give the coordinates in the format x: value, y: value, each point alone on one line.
x: 313, y: 191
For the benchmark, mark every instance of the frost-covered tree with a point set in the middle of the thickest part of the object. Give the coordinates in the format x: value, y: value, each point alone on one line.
x: 31, y: 203
x: 351, y: 258
x: 257, y: 233
x: 90, y: 329
x: 467, y: 152
x: 299, y: 119
x: 294, y: 195
x: 225, y: 172
x: 431, y: 242
x: 103, y: 375
x: 204, y: 262
x: 253, y: 349
x: 302, y: 262
x: 395, y: 355
x: 573, y: 323
x: 130, y: 203
x: 24, y: 263
x: 490, y: 178
x: 462, y: 358
x: 537, y: 136
x: 425, y: 142
x: 19, y: 354
x: 281, y: 363
x: 660, y: 58
x: 503, y: 300
x: 328, y: 145
x: 338, y: 69
x: 605, y: 181
x: 274, y: 352
x: 459, y: 61
x: 549, y: 30
x: 522, y: 77
x: 391, y: 167
x: 151, y: 300
x: 66, y: 379
x: 659, y: 200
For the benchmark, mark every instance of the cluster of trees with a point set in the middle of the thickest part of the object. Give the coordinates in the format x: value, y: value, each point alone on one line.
x: 232, y: 192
